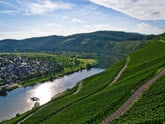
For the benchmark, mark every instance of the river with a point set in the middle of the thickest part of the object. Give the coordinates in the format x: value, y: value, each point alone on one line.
x: 18, y: 100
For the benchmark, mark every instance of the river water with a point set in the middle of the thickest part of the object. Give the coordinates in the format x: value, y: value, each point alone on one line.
x: 18, y: 100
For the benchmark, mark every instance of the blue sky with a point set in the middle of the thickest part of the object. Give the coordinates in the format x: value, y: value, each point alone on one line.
x: 21, y: 19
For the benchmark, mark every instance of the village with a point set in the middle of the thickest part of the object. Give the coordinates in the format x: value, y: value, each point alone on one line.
x: 14, y: 68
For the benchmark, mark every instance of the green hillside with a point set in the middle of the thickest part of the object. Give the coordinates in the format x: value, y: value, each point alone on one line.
x: 106, y: 46
x: 74, y: 43
x: 96, y: 99
x: 150, y: 109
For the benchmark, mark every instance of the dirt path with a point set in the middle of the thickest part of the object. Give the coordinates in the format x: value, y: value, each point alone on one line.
x: 80, y: 85
x: 121, y: 71
x: 132, y: 99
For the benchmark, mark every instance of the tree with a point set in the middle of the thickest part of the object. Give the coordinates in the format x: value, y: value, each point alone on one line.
x: 3, y: 91
x: 88, y: 66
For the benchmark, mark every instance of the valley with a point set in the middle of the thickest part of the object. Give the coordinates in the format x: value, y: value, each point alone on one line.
x: 97, y: 98
x: 82, y: 62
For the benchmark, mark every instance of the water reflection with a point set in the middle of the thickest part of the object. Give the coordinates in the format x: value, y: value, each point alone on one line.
x: 44, y: 92
x: 18, y: 100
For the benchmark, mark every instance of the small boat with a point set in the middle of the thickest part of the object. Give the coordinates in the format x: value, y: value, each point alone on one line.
x: 36, y: 104
x: 34, y: 99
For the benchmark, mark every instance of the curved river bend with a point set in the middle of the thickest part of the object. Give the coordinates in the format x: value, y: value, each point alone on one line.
x: 18, y: 100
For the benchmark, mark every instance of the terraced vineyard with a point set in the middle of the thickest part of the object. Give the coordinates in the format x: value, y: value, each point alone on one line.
x: 96, y: 99
x: 150, y: 109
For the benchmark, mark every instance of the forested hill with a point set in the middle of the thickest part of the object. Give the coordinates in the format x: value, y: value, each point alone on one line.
x: 106, y: 46
x: 76, y: 43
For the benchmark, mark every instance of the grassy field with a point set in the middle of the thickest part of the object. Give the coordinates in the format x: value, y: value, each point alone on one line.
x: 96, y: 100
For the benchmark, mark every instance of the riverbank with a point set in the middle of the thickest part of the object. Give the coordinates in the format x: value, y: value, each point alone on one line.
x: 7, y: 88
x: 20, y: 97
x: 84, y: 64
x: 35, y: 81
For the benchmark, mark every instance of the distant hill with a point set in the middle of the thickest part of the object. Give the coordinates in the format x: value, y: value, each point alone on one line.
x: 113, y: 44
x: 77, y: 42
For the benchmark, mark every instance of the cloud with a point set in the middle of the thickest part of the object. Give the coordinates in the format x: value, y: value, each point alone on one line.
x: 9, y: 8
x: 77, y: 20
x: 64, y: 17
x: 5, y: 3
x: 45, y: 6
x: 142, y: 27
x: 62, y: 29
x: 15, y: 35
x: 32, y: 31
x: 9, y: 12
x: 140, y: 9
x: 98, y: 27
x: 149, y: 29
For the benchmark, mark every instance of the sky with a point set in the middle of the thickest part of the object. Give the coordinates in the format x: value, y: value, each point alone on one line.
x: 21, y: 19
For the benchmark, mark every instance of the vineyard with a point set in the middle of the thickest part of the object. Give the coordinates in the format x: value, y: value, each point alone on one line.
x: 150, y: 109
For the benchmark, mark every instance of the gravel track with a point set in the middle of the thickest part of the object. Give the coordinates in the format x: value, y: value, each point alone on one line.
x: 124, y: 107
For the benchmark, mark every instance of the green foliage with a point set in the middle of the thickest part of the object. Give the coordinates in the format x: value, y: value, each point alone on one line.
x: 95, y: 107
x: 149, y: 109
x: 96, y: 100
x: 3, y: 91
x: 106, y: 46
x: 146, y: 57
x: 90, y: 86
x: 19, y: 117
